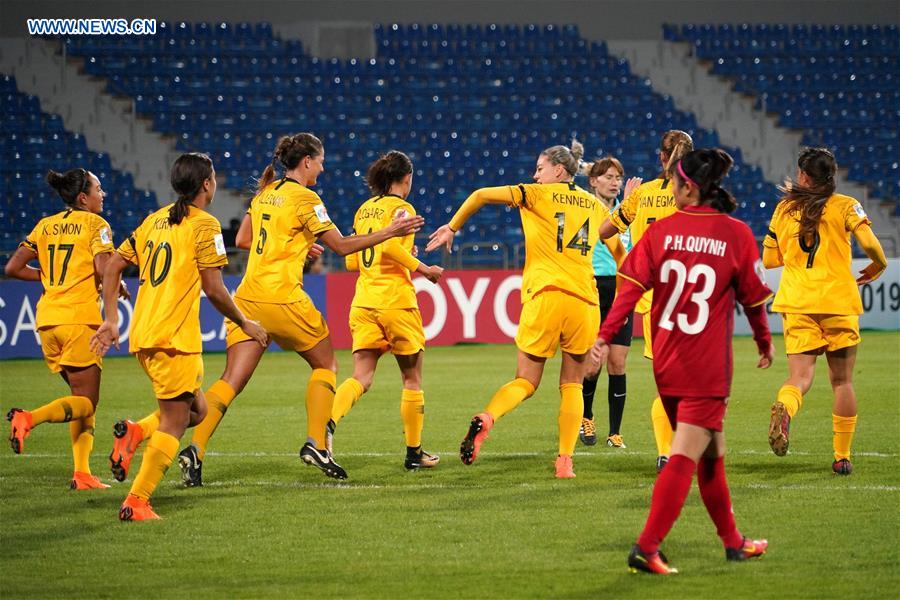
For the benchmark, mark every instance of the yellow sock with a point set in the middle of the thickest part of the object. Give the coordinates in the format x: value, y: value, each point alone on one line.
x: 509, y: 396
x: 844, y: 428
x: 149, y: 424
x: 412, y: 411
x: 571, y: 409
x: 63, y: 410
x: 158, y: 457
x: 662, y: 428
x: 348, y: 393
x: 790, y: 396
x: 319, y: 402
x: 82, y: 432
x: 218, y: 398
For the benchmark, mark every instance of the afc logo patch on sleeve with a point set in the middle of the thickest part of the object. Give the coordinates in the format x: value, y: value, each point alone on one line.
x: 220, y: 244
x: 105, y: 237
x: 760, y: 271
x: 322, y: 214
x: 860, y: 211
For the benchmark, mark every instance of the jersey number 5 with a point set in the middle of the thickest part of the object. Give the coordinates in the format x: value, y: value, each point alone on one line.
x: 263, y: 234
x: 579, y: 241
x: 700, y: 298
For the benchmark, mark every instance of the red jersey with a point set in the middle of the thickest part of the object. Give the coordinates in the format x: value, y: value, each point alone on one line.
x: 697, y: 262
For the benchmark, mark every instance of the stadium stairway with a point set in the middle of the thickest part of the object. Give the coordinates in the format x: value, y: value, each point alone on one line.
x: 108, y: 124
x: 674, y: 70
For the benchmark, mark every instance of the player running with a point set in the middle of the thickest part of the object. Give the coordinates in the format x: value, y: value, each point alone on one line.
x: 280, y: 229
x: 72, y: 248
x: 698, y: 262
x: 179, y: 251
x: 559, y: 297
x: 818, y: 297
x: 384, y: 315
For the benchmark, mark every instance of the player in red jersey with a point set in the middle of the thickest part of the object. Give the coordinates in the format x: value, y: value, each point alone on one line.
x: 698, y: 262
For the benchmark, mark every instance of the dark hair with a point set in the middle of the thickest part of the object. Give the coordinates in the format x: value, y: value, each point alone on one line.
x: 819, y: 165
x: 69, y: 184
x: 706, y: 168
x: 388, y: 169
x: 188, y: 174
x: 674, y: 145
x: 291, y: 149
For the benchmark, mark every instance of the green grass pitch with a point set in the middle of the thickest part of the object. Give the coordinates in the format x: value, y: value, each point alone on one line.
x: 266, y: 525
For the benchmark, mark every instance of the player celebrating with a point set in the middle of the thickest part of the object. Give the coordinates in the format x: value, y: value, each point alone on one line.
x: 179, y: 251
x: 284, y: 220
x: 698, y: 262
x: 385, y: 314
x: 648, y: 203
x: 605, y: 176
x: 559, y: 297
x: 819, y: 300
x: 72, y: 248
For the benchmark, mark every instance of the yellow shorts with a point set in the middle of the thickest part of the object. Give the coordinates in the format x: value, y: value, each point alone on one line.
x: 297, y: 326
x: 68, y: 346
x: 808, y: 333
x: 172, y: 373
x: 554, y: 318
x: 398, y: 330
x: 648, y: 340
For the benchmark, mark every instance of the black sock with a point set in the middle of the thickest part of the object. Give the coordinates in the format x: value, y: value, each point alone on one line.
x: 616, y: 397
x: 589, y: 386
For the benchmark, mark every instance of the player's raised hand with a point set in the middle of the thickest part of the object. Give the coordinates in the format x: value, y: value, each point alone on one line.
x: 630, y: 185
x: 403, y: 225
x: 106, y: 337
x: 766, y: 359
x: 255, y: 331
x: 872, y: 272
x: 442, y: 237
x: 431, y: 273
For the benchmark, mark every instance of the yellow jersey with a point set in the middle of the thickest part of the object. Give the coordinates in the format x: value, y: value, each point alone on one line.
x: 169, y: 260
x: 66, y: 244
x: 287, y: 218
x: 560, y: 222
x: 817, y: 277
x: 384, y: 270
x: 647, y: 203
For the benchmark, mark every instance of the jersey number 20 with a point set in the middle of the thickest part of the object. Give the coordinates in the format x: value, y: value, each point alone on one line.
x: 700, y: 298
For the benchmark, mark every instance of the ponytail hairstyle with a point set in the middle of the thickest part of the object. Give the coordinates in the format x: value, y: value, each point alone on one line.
x: 673, y: 146
x: 819, y: 165
x: 705, y: 168
x: 387, y: 170
x: 70, y: 185
x: 291, y: 149
x: 569, y: 158
x: 188, y: 174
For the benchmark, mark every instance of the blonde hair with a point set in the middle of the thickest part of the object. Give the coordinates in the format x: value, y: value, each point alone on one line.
x: 569, y: 158
x: 673, y: 146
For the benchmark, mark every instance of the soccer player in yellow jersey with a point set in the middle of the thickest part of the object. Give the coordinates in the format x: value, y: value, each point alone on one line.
x: 559, y: 297
x: 651, y: 202
x: 809, y: 235
x: 179, y: 251
x: 384, y: 315
x: 72, y: 248
x: 280, y: 229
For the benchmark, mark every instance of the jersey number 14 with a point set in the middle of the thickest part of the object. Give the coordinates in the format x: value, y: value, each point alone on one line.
x: 579, y: 241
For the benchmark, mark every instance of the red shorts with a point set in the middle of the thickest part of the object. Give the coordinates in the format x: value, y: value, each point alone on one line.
x: 708, y: 413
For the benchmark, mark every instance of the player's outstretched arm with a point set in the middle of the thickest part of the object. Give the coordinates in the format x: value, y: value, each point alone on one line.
x: 107, y: 335
x: 445, y: 233
x: 872, y: 247
x: 399, y: 227
x: 215, y: 290
x: 18, y: 268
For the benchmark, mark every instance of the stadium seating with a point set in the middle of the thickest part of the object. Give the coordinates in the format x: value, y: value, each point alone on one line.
x: 471, y: 105
x: 837, y: 83
x: 33, y: 142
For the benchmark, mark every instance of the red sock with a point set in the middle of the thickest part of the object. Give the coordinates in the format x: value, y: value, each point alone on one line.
x: 717, y: 498
x: 671, y: 489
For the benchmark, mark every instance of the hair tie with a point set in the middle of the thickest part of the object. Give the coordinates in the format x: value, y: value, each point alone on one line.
x: 685, y: 177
